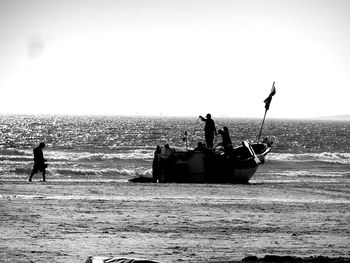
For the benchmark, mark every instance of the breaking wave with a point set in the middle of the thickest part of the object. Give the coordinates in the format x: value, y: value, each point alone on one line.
x: 83, y: 172
x: 325, y: 157
x: 122, y: 172
x: 13, y: 152
x: 312, y: 173
x: 99, y: 156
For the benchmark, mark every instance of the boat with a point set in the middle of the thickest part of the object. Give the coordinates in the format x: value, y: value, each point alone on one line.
x: 219, y: 165
x: 224, y: 164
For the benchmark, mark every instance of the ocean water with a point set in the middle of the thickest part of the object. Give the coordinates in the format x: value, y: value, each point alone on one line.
x: 119, y: 148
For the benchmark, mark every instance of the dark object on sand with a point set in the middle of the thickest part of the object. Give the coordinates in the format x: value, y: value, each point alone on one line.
x: 117, y: 260
x: 293, y: 259
x: 141, y: 179
x: 249, y: 259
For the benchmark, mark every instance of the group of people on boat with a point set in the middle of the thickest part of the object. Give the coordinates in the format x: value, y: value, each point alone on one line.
x: 210, y: 131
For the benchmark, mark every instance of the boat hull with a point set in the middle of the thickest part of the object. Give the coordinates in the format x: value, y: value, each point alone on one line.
x: 236, y: 166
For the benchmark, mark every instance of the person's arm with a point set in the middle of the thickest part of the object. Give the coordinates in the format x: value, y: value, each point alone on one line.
x: 203, y: 119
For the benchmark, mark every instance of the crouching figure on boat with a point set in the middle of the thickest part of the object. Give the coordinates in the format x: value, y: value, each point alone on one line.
x: 226, y: 140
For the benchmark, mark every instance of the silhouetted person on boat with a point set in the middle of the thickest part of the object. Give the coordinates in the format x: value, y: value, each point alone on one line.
x: 226, y: 137
x: 167, y: 151
x: 226, y: 140
x: 155, y: 164
x: 39, y: 161
x: 209, y: 130
x: 200, y: 147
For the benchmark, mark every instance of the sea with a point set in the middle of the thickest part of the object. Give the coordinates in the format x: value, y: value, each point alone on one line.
x: 118, y: 148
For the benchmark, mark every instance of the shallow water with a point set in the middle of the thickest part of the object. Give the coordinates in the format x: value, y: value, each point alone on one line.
x: 88, y: 147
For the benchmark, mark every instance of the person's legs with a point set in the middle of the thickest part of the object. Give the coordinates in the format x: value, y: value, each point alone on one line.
x: 44, y: 175
x: 209, y: 141
x: 31, y: 176
x: 34, y: 171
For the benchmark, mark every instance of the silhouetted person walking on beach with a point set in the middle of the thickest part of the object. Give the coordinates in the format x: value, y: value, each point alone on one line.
x: 39, y: 161
x: 209, y: 130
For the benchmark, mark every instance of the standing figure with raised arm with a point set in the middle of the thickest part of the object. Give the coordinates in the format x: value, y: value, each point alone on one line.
x: 209, y: 130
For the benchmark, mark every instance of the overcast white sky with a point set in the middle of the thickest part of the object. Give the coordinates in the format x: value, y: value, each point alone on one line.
x: 183, y: 57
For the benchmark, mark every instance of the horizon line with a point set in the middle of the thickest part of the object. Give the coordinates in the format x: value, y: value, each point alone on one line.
x: 340, y: 117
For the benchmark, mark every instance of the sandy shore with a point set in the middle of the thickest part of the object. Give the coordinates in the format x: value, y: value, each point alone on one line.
x: 67, y: 221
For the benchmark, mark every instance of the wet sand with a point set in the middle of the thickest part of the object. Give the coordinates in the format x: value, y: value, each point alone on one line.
x: 68, y: 221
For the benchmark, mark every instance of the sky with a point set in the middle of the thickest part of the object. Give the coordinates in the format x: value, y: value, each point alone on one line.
x: 177, y: 58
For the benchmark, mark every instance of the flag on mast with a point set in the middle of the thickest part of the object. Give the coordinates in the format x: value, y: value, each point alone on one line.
x: 269, y: 98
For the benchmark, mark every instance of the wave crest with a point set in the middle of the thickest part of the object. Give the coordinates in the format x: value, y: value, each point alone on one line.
x: 100, y: 156
x: 14, y: 152
x: 327, y: 157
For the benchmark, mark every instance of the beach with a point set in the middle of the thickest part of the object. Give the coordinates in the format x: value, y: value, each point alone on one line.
x: 70, y: 220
